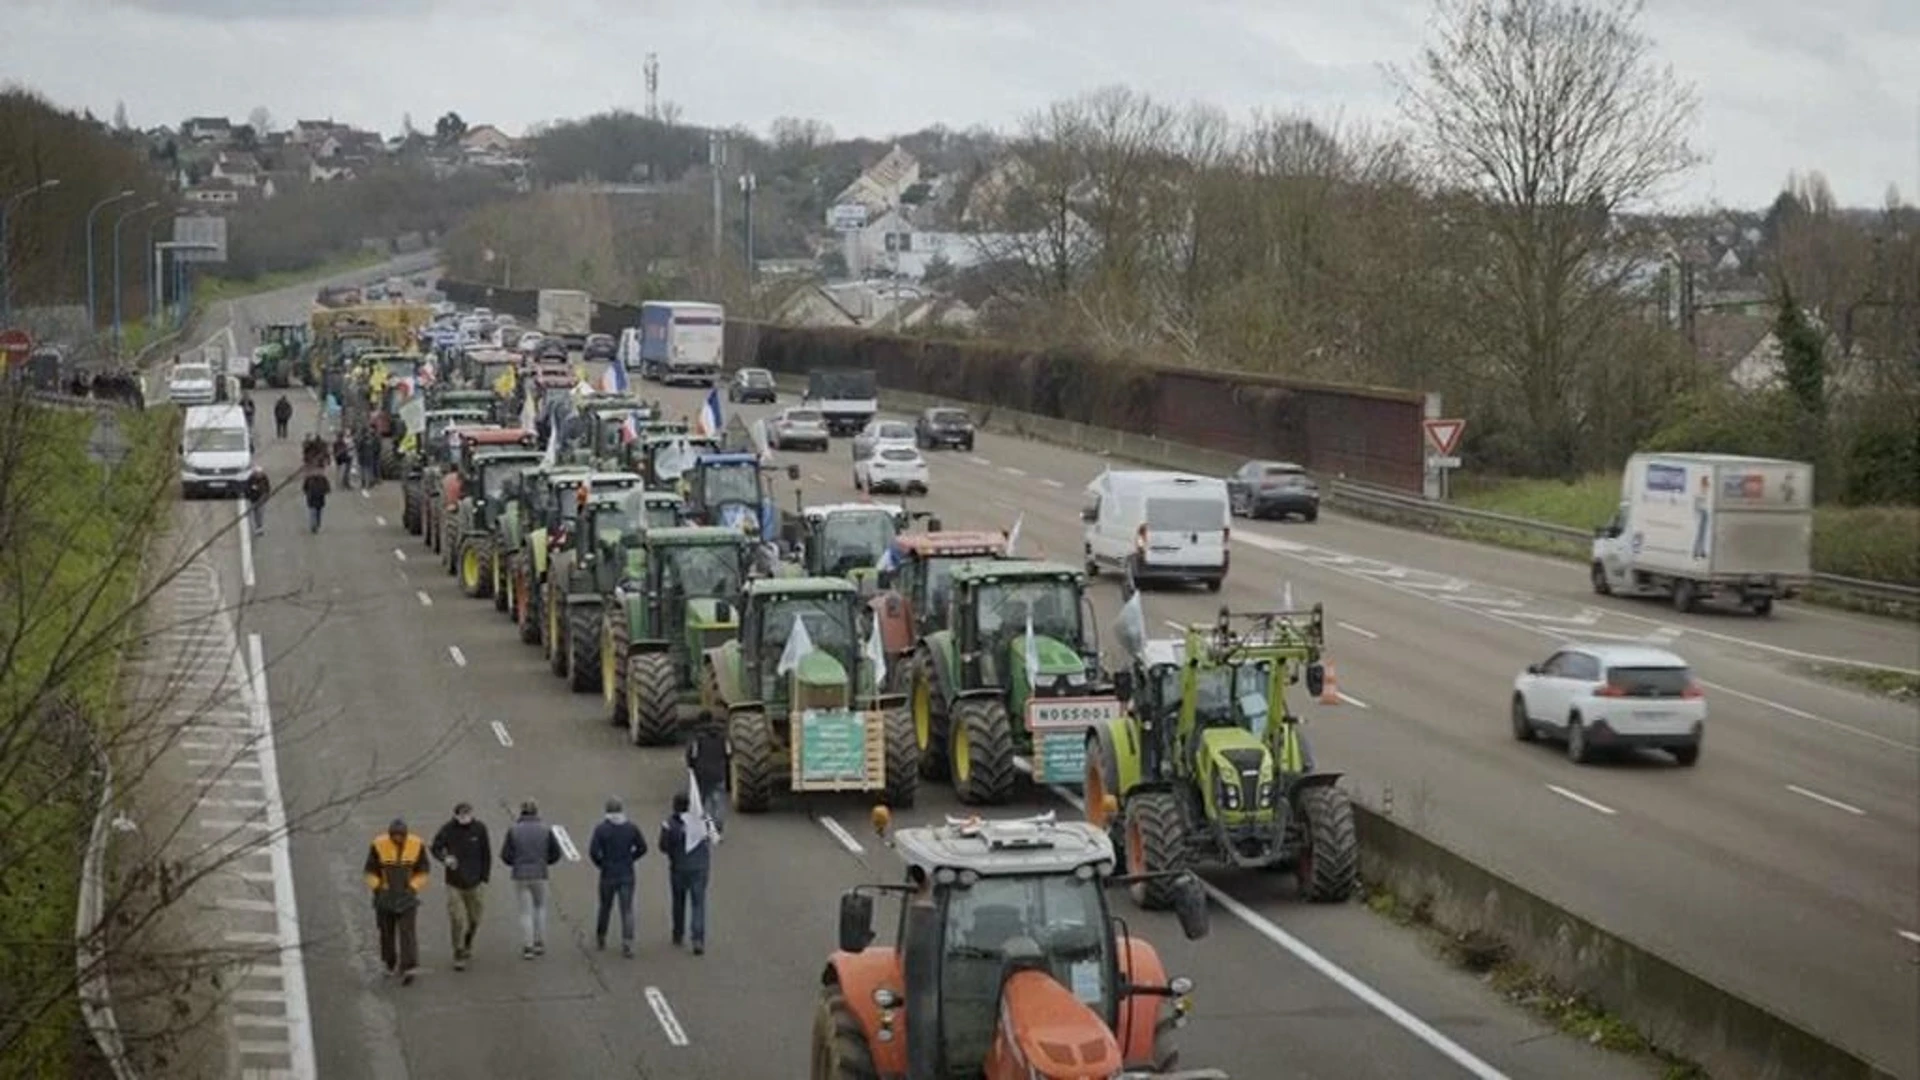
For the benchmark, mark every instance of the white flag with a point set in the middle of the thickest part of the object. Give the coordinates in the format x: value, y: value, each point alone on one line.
x: 695, y: 821
x: 877, y: 654
x: 674, y: 461
x: 798, y: 646
x: 1286, y: 597
x: 1131, y: 627
x: 1013, y: 534
x: 554, y: 424
x: 529, y: 413
x: 1033, y: 656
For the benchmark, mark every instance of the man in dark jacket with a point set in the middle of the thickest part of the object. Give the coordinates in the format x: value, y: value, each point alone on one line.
x: 707, y: 759
x: 463, y: 848
x: 282, y: 416
x: 616, y: 847
x: 530, y: 848
x: 316, y: 488
x: 397, y: 871
x: 683, y: 836
x: 367, y: 447
x: 258, y: 488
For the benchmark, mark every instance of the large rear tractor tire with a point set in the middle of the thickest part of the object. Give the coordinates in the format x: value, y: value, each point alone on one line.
x: 750, y: 761
x: 928, y: 711
x: 1329, y: 866
x: 526, y: 605
x: 450, y: 546
x: 389, y: 462
x: 613, y: 664
x: 1156, y: 842
x: 410, y: 510
x: 980, y: 750
x: 553, y: 635
x: 583, y: 648
x: 653, y: 701
x: 476, y: 561
x: 840, y: 1050
x: 903, y: 760
x: 497, y: 576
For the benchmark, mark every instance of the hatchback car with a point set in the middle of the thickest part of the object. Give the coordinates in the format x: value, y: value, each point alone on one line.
x: 892, y: 468
x: 797, y: 429
x: 881, y: 435
x: 1599, y: 697
x: 1277, y: 489
x: 598, y: 347
x: 940, y: 427
x: 752, y: 384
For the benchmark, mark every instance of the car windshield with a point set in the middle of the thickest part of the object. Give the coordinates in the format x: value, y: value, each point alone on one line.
x: 662, y: 515
x: 611, y: 522
x: 493, y: 478
x: 704, y: 570
x: 1231, y: 696
x: 756, y: 377
x: 1185, y: 515
x: 1004, y: 607
x: 893, y: 431
x: 217, y: 440
x: 803, y: 416
x: 192, y: 373
x: 1061, y: 915
x: 827, y: 620
x: 949, y: 417
x: 854, y: 539
x: 733, y: 482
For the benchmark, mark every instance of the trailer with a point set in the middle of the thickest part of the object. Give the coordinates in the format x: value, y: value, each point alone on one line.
x: 682, y: 341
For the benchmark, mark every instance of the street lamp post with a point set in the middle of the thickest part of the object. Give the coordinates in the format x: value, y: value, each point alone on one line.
x: 748, y: 185
x: 152, y: 280
x: 117, y: 222
x: 93, y: 314
x: 6, y: 271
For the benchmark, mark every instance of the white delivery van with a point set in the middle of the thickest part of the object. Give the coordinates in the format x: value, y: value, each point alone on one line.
x: 1158, y: 526
x: 216, y: 451
x: 1695, y: 526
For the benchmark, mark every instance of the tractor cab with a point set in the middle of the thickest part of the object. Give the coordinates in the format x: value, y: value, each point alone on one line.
x: 915, y: 587
x: 1028, y: 627
x: 1006, y: 954
x: 847, y: 540
x: 730, y: 490
x: 485, y: 472
x: 607, y: 424
x: 826, y: 665
x: 677, y: 596
x: 665, y: 453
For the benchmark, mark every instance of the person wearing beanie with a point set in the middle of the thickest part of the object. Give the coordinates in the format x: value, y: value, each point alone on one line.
x: 530, y: 848
x: 462, y: 846
x: 616, y: 848
x: 397, y: 871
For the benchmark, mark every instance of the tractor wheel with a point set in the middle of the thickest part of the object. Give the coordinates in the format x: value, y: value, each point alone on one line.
x: 410, y: 511
x: 1329, y: 865
x: 553, y: 636
x: 613, y: 664
x: 928, y: 711
x: 840, y: 1050
x: 389, y: 462
x: 450, y: 547
x: 583, y: 648
x: 475, y: 564
x: 1156, y: 842
x: 903, y: 760
x: 526, y: 612
x: 497, y: 575
x: 980, y: 751
x: 750, y: 763
x: 652, y: 699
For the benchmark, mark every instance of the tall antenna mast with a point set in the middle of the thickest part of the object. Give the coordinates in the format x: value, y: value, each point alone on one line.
x: 653, y: 86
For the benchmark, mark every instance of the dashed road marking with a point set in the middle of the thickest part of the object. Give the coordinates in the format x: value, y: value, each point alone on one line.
x: 980, y: 461
x: 458, y: 656
x: 1352, y: 629
x: 1575, y: 796
x: 841, y: 834
x: 1909, y: 935
x: 816, y: 478
x: 1349, y: 699
x: 379, y: 520
x: 566, y: 843
x: 365, y: 494
x: 425, y: 600
x: 663, y: 1012
x: 1819, y: 798
x: 1051, y: 482
x: 500, y: 733
x: 1011, y: 471
x: 398, y: 554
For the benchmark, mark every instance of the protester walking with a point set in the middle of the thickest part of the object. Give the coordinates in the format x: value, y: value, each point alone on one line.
x: 282, y: 416
x: 530, y: 848
x: 397, y: 871
x: 258, y: 488
x: 316, y: 487
x: 343, y: 457
x: 367, y: 447
x: 247, y: 407
x: 616, y: 848
x: 683, y: 836
x: 707, y: 760
x: 462, y: 846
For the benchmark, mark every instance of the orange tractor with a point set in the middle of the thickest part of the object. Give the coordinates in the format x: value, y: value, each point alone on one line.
x: 1009, y: 965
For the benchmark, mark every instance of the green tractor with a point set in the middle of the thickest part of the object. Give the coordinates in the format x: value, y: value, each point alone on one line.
x: 427, y: 454
x: 659, y: 441
x: 468, y: 548
x: 844, y: 540
x: 603, y: 433
x: 282, y: 345
x: 1200, y: 770
x: 540, y: 503
x: 677, y: 595
x: 573, y: 594
x: 1019, y: 640
x: 801, y: 690
x: 444, y: 395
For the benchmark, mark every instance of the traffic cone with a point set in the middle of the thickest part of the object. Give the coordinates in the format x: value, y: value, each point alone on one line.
x: 1330, y: 686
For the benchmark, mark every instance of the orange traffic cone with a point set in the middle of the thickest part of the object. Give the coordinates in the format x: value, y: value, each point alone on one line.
x: 1330, y: 686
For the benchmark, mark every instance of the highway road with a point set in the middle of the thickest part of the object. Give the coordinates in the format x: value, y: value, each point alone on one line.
x: 383, y: 681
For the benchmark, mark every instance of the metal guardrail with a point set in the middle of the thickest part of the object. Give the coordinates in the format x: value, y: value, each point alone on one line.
x: 1363, y: 495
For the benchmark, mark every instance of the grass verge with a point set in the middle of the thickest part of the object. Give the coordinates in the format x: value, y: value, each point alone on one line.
x: 1894, y: 684
x: 70, y: 541
x: 212, y: 290
x: 1488, y: 957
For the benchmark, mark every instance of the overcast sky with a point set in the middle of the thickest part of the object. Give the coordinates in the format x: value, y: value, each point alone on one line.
x: 1784, y: 84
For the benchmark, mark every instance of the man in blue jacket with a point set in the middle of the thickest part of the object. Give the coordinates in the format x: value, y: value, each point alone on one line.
x: 687, y: 867
x: 616, y: 847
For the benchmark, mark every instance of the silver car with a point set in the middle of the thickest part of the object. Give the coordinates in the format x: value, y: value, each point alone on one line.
x: 797, y: 429
x: 883, y: 435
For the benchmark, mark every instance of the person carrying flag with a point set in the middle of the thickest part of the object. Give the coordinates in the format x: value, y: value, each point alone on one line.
x: 685, y: 838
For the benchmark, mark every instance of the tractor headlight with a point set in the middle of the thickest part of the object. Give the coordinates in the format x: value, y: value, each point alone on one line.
x: 1266, y: 793
x: 1227, y: 795
x: 1078, y: 678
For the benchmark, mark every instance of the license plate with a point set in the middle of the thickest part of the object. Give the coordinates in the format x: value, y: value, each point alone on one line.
x: 1059, y: 713
x: 1651, y: 714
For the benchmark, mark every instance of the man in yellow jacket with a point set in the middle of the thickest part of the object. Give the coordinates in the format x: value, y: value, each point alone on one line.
x: 397, y: 871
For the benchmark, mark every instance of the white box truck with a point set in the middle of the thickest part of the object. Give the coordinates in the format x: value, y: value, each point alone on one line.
x: 682, y: 341
x: 565, y: 314
x: 1693, y: 527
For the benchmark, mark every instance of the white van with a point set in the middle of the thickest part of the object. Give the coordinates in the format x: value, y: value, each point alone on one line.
x: 216, y: 451
x: 1158, y: 526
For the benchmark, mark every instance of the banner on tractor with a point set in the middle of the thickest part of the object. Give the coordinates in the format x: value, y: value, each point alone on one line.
x: 832, y: 750
x: 1060, y: 757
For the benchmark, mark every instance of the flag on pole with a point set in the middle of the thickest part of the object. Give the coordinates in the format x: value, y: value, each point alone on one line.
x: 673, y: 462
x: 1033, y: 656
x: 529, y: 414
x: 709, y: 420
x: 877, y: 654
x: 889, y: 560
x: 798, y: 646
x: 614, y: 379
x: 630, y: 427
x: 553, y: 442
x: 1131, y: 627
x: 695, y: 823
x: 1013, y: 534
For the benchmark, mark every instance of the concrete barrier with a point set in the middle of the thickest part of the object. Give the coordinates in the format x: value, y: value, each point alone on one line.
x: 1671, y: 1007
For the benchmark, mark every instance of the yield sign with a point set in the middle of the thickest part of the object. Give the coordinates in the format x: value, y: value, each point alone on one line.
x: 15, y: 345
x: 1444, y: 435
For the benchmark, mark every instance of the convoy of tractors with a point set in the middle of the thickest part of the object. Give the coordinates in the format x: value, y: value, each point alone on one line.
x: 860, y: 647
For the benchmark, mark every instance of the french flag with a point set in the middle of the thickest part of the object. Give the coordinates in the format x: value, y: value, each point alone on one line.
x: 630, y: 427
x: 614, y: 379
x: 708, y: 422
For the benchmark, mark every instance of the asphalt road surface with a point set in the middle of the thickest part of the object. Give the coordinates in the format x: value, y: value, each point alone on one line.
x: 1784, y: 867
x: 391, y: 691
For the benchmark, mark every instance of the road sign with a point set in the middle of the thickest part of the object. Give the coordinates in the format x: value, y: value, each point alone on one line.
x: 847, y: 217
x: 15, y: 346
x: 1444, y: 435
x: 1443, y: 463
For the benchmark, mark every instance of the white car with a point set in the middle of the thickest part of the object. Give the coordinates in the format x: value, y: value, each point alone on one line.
x: 894, y: 468
x: 191, y: 384
x: 883, y: 435
x: 529, y: 342
x: 1598, y: 697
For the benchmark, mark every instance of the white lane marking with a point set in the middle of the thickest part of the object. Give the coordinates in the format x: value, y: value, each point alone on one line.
x: 500, y: 732
x: 1582, y: 800
x: 663, y: 1012
x: 1338, y: 975
x: 294, y: 979
x: 458, y: 656
x: 246, y: 546
x: 425, y: 600
x: 980, y: 461
x: 1909, y: 935
x: 398, y: 554
x: 1805, y: 715
x: 1819, y: 798
x: 379, y: 520
x: 1051, y: 482
x: 566, y: 843
x: 1352, y: 629
x: 365, y: 494
x: 1011, y: 471
x: 841, y: 834
x: 1351, y: 700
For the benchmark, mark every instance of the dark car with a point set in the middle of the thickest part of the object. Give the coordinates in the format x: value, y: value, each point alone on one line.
x: 598, y: 347
x: 752, y: 384
x: 552, y: 350
x: 1277, y: 489
x: 940, y: 427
